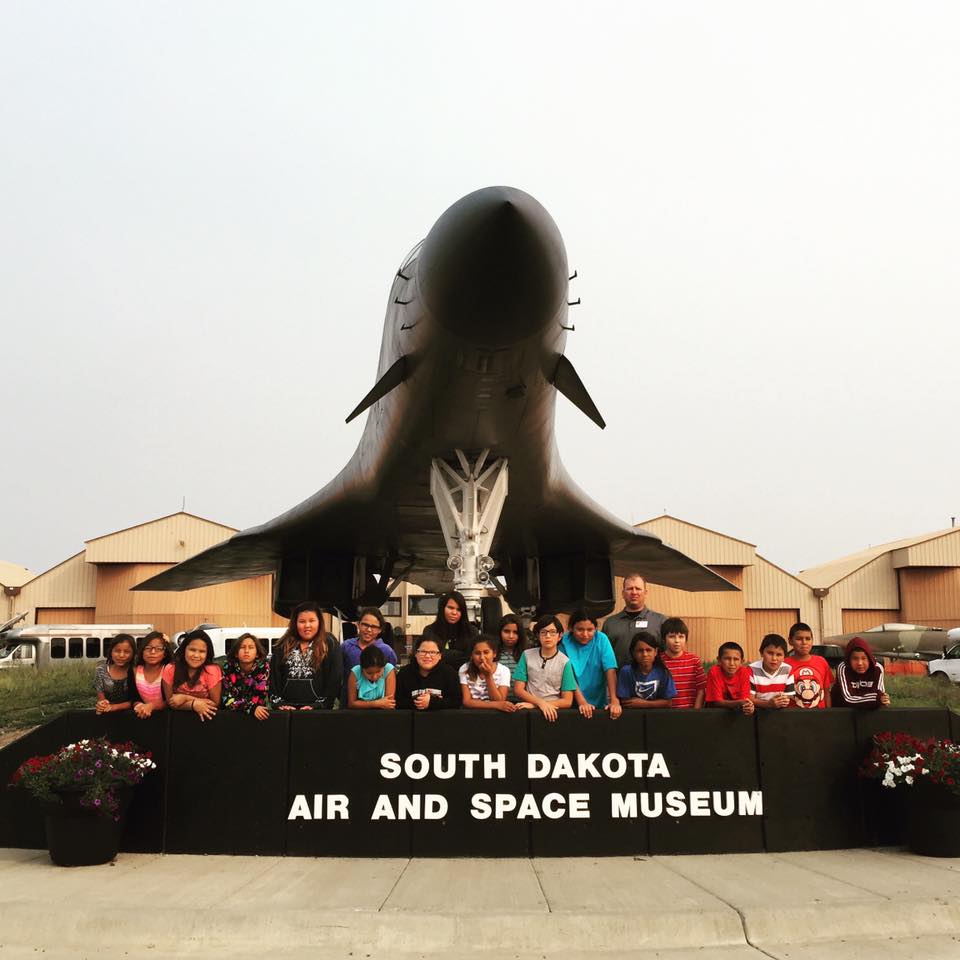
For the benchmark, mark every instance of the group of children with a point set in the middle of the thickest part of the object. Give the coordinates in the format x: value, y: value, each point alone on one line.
x: 454, y: 666
x: 578, y: 668
x: 784, y: 678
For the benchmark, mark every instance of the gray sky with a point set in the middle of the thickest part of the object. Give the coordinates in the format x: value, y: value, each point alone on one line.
x: 202, y: 206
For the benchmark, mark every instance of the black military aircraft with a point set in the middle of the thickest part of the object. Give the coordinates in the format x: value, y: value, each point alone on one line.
x: 457, y: 480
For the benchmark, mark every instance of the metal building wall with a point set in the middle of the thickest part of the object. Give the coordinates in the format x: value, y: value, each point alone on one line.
x: 705, y: 546
x: 72, y: 583
x: 767, y: 587
x: 167, y: 540
x: 936, y: 551
x: 65, y: 614
x: 856, y: 620
x: 241, y: 603
x: 759, y: 623
x: 930, y: 596
x: 872, y: 587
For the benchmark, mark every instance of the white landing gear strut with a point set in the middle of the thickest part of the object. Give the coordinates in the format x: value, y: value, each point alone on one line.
x: 469, y: 504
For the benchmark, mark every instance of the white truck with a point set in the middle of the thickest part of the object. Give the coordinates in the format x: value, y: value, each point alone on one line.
x: 947, y: 667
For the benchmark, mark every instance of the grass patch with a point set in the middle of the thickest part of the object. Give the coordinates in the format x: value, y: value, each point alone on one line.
x: 917, y: 691
x: 29, y: 697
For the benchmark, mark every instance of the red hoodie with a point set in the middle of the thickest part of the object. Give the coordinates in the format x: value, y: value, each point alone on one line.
x: 853, y: 689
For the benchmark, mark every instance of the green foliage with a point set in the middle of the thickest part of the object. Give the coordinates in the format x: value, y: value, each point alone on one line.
x: 29, y: 696
x: 908, y: 690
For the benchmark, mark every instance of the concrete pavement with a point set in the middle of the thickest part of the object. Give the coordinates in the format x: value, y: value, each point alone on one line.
x: 845, y: 904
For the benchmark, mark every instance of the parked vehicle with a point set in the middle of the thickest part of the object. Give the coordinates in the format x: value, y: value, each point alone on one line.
x: 947, y: 667
x: 898, y: 641
x: 49, y: 645
x: 224, y: 637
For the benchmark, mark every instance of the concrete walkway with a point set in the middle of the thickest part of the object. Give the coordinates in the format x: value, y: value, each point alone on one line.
x: 795, y: 906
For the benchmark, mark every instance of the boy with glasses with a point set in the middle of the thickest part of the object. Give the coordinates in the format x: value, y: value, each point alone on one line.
x: 426, y: 683
x: 543, y: 676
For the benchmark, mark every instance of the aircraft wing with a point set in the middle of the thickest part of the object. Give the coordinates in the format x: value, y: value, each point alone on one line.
x: 567, y: 519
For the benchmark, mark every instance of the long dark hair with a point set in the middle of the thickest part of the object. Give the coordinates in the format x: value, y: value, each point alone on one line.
x: 441, y: 628
x: 121, y: 638
x: 257, y: 642
x: 492, y: 642
x: 291, y: 639
x: 182, y: 674
x: 523, y: 638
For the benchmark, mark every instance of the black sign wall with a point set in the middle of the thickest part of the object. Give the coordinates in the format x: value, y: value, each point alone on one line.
x: 379, y: 784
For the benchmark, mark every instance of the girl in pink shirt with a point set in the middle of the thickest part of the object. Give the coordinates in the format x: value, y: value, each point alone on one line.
x: 152, y: 655
x: 193, y: 680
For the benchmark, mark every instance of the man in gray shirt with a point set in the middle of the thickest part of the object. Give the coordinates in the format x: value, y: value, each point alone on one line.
x: 636, y: 616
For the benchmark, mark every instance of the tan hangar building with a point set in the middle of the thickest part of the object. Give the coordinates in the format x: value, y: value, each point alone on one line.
x: 93, y: 586
x: 916, y: 580
x: 910, y: 581
x: 769, y: 599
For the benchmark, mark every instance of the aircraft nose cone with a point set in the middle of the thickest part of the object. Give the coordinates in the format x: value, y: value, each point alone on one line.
x: 493, y: 268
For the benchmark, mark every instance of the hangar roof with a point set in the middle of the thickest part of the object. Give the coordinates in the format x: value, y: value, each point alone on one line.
x: 13, y: 575
x: 827, y: 574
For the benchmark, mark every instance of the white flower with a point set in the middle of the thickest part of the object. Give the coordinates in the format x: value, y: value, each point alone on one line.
x: 909, y: 781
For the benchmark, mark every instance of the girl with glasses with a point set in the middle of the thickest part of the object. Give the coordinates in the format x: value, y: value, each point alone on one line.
x: 153, y: 654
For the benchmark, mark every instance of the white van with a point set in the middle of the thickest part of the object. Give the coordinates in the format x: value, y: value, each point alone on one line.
x: 49, y: 645
x: 223, y: 638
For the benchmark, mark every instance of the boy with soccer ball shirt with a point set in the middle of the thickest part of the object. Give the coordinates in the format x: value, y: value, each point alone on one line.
x: 812, y: 678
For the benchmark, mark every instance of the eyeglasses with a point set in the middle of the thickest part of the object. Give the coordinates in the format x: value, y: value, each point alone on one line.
x: 153, y: 649
x: 369, y: 626
x: 428, y: 653
x: 549, y: 632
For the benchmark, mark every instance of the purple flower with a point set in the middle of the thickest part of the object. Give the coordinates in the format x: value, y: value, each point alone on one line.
x: 98, y: 764
x: 96, y: 803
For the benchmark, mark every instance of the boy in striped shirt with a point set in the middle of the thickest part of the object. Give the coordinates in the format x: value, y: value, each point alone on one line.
x: 771, y: 680
x: 685, y: 668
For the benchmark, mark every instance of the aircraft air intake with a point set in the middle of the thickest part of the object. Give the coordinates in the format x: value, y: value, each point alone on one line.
x: 493, y: 270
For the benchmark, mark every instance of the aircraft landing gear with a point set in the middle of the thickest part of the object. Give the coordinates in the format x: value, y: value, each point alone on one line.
x: 469, y: 503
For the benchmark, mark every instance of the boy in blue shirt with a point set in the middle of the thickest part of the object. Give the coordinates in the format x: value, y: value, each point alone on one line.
x: 645, y: 682
x: 594, y: 665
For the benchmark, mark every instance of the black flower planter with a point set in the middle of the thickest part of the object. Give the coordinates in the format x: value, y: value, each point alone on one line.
x: 79, y: 837
x: 933, y: 820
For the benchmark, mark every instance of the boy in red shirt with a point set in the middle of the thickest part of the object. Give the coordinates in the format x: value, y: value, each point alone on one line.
x: 812, y: 677
x: 728, y: 682
x: 685, y: 668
